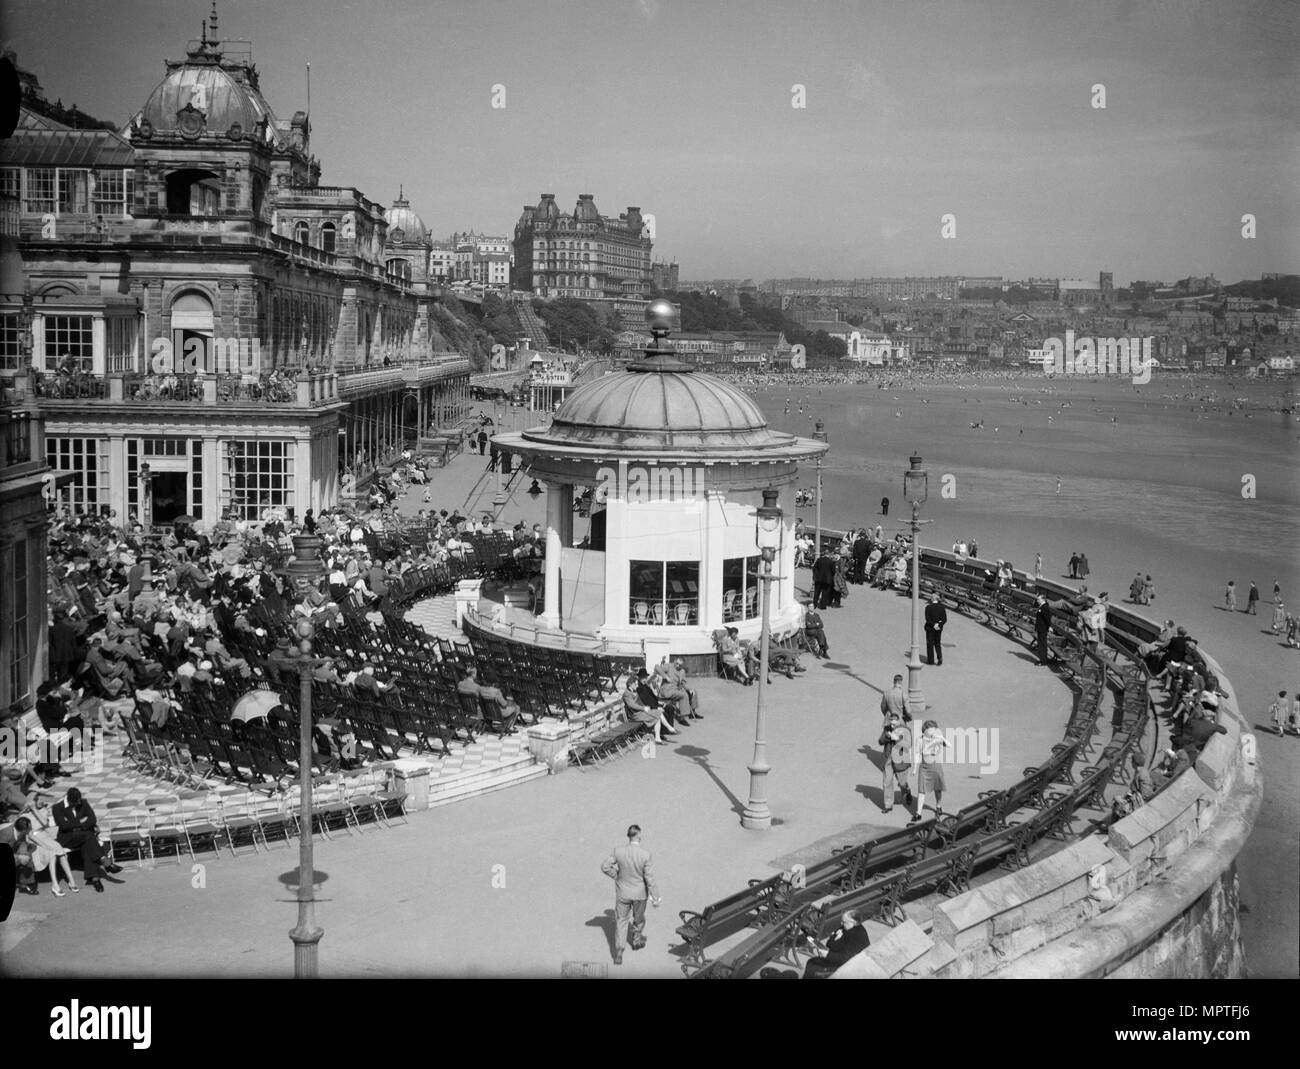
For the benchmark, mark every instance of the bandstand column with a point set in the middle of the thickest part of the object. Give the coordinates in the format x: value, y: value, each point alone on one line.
x: 554, y: 521
x: 566, y: 515
x: 710, y: 616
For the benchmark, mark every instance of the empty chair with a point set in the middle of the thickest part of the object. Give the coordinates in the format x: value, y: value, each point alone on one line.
x: 166, y: 830
x: 239, y: 827
x: 127, y: 832
x: 201, y: 831
x: 729, y: 604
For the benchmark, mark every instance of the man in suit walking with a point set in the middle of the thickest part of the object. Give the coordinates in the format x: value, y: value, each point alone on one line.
x: 936, y: 617
x: 630, y: 868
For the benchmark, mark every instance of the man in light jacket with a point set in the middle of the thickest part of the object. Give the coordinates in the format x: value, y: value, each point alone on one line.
x: 631, y: 870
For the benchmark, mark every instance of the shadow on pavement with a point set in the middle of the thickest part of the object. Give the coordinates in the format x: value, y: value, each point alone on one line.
x: 701, y: 757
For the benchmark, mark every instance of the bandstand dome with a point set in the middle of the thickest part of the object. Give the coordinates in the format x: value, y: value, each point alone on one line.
x: 660, y: 412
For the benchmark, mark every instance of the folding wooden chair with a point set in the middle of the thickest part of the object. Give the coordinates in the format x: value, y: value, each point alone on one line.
x: 275, y: 817
x: 166, y: 830
x: 330, y: 810
x: 239, y: 826
x: 127, y: 831
x: 200, y: 829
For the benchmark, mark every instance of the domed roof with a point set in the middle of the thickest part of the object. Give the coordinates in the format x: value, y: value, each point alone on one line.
x: 401, y: 217
x: 201, y: 97
x: 660, y: 411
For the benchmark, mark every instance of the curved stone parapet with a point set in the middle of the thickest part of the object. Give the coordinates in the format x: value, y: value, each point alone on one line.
x: 1154, y: 896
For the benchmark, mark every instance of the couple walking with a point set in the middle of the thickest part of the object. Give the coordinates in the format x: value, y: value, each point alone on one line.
x: 902, y: 756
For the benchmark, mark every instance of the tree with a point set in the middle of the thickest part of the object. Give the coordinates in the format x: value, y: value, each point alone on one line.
x: 572, y: 323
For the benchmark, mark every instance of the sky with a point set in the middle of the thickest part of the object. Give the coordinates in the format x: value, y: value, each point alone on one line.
x: 914, y: 110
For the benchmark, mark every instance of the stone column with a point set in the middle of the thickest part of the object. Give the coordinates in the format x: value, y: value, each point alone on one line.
x: 211, y: 479
x: 38, y: 632
x: 566, y: 515
x: 554, y: 520
x: 117, y: 489
x: 303, y: 476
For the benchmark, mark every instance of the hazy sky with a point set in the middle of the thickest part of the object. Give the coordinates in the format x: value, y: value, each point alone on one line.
x: 683, y: 107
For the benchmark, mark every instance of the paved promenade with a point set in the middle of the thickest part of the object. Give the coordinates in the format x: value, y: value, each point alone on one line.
x: 509, y: 884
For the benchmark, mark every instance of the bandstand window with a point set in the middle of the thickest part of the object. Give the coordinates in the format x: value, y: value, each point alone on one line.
x: 739, y: 588
x: 663, y: 592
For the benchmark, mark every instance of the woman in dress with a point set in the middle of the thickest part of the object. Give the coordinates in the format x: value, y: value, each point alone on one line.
x: 1148, y: 590
x: 732, y: 655
x: 636, y: 710
x: 1038, y: 566
x: 1083, y: 566
x: 34, y: 849
x: 929, y: 754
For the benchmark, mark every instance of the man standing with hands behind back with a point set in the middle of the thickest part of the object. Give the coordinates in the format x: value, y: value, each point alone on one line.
x: 630, y: 868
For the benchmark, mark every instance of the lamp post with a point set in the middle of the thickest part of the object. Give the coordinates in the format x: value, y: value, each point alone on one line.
x: 499, y: 498
x: 304, y: 570
x: 146, y: 498
x: 769, y: 529
x: 819, y: 435
x: 914, y: 490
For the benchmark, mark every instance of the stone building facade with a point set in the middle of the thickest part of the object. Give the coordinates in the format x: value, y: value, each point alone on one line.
x: 582, y: 254
x: 209, y: 329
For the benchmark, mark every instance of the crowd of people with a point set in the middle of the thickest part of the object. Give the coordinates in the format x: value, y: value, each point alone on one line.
x: 136, y: 622
x: 862, y: 555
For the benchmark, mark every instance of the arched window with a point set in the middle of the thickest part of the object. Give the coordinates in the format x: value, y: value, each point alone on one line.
x: 193, y: 192
x: 328, y: 234
x: 301, y: 232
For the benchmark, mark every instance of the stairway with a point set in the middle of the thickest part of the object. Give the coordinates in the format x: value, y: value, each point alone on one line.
x: 529, y: 322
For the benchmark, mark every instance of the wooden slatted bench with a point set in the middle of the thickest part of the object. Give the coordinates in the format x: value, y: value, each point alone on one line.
x: 776, y: 939
x: 984, y: 815
x: 610, y: 742
x: 755, y: 904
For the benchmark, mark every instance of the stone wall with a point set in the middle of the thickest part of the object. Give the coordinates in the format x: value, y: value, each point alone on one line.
x: 1154, y: 897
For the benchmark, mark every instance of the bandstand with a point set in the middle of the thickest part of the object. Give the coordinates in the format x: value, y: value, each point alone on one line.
x: 652, y: 477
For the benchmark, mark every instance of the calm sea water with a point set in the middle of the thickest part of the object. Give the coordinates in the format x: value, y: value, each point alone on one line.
x: 1151, y: 458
